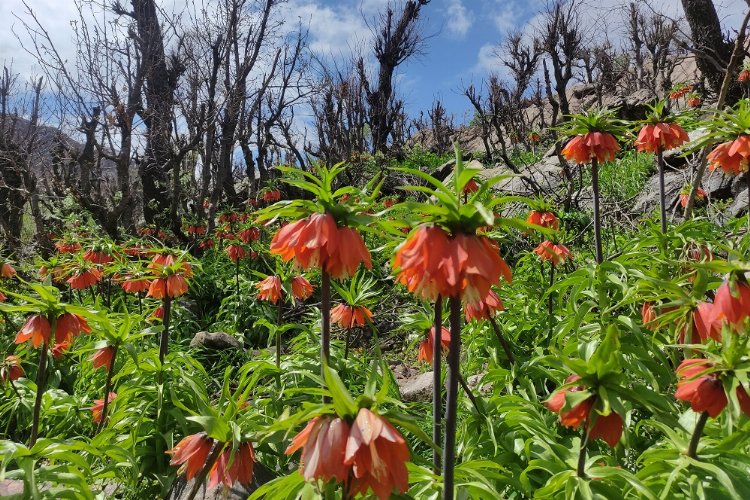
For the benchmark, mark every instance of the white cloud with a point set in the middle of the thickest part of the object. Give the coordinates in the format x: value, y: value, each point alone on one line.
x: 459, y: 19
x: 487, y: 61
x: 333, y: 30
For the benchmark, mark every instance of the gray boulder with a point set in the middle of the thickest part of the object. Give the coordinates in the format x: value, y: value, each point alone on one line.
x: 216, y: 341
x: 417, y: 388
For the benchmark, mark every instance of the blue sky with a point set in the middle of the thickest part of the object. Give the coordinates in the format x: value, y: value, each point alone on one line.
x: 459, y: 51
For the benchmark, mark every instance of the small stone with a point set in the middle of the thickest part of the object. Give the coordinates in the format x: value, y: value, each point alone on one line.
x: 217, y: 341
x: 418, y: 388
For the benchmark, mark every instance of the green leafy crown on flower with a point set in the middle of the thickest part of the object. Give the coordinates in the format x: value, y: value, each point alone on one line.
x: 326, y: 198
x: 594, y: 120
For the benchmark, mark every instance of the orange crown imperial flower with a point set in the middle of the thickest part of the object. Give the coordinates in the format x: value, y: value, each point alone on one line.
x: 191, y: 454
x: 269, y: 289
x: 427, y: 346
x: 85, y: 278
x: 229, y: 469
x: 11, y: 369
x: 348, y: 317
x: 301, y: 288
x: 553, y: 252
x: 98, y: 407
x: 583, y: 148
x: 317, y: 241
x: 36, y: 328
x: 431, y: 263
x: 236, y: 252
x: 606, y: 427
x: 103, y: 357
x: 7, y: 271
x: 377, y: 453
x: 544, y: 219
x: 733, y: 157
x: 655, y: 137
x: 484, y: 309
x: 323, y: 442
x: 701, y: 388
x: 136, y: 285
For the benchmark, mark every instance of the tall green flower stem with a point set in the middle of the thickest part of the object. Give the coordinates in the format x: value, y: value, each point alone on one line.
x: 201, y: 477
x: 237, y: 277
x: 503, y: 342
x: 164, y: 341
x: 662, y: 197
x: 581, y: 471
x: 325, y: 327
x: 454, y: 354
x: 40, y: 376
x: 469, y: 394
x: 279, y: 319
x: 699, y: 425
x: 437, y: 397
x: 107, y: 388
x: 550, y: 300
x: 597, y: 215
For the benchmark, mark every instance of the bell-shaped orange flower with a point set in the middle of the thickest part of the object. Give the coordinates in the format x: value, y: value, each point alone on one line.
x: 700, y: 195
x: 600, y: 145
x: 648, y: 315
x: 348, y: 317
x: 11, y: 369
x: 744, y: 76
x: 136, y: 285
x: 378, y: 454
x: 36, y: 328
x: 7, y: 271
x: 172, y: 286
x: 323, y: 442
x: 98, y: 407
x: 67, y: 247
x: 191, y: 454
x: 317, y: 242
x: 553, y: 252
x: 431, y: 263
x: 269, y: 289
x: 732, y: 304
x: 103, y: 358
x: 249, y: 235
x: 471, y: 187
x: 2, y: 297
x: 236, y: 252
x: 426, y: 347
x: 544, y: 219
x: 606, y: 427
x: 732, y: 157
x: 68, y: 326
x: 97, y: 257
x: 656, y: 137
x: 85, y: 278
x: 301, y: 288
x: 484, y: 309
x: 701, y: 388
x: 229, y: 469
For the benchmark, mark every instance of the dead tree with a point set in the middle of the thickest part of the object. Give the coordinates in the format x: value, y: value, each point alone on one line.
x: 397, y: 37
x: 560, y: 39
x: 712, y: 51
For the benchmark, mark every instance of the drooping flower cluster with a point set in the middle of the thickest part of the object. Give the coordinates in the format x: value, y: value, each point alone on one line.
x: 38, y: 329
x: 583, y: 148
x: 427, y: 346
x: 369, y: 454
x: 556, y: 253
x: 192, y: 452
x: 98, y: 407
x: 431, y: 262
x: 606, y: 427
x: 348, y: 317
x: 317, y: 241
x: 656, y: 137
x: 169, y: 277
x: 543, y: 219
x: 484, y: 309
x: 11, y: 369
x: 702, y: 387
x: 733, y: 157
